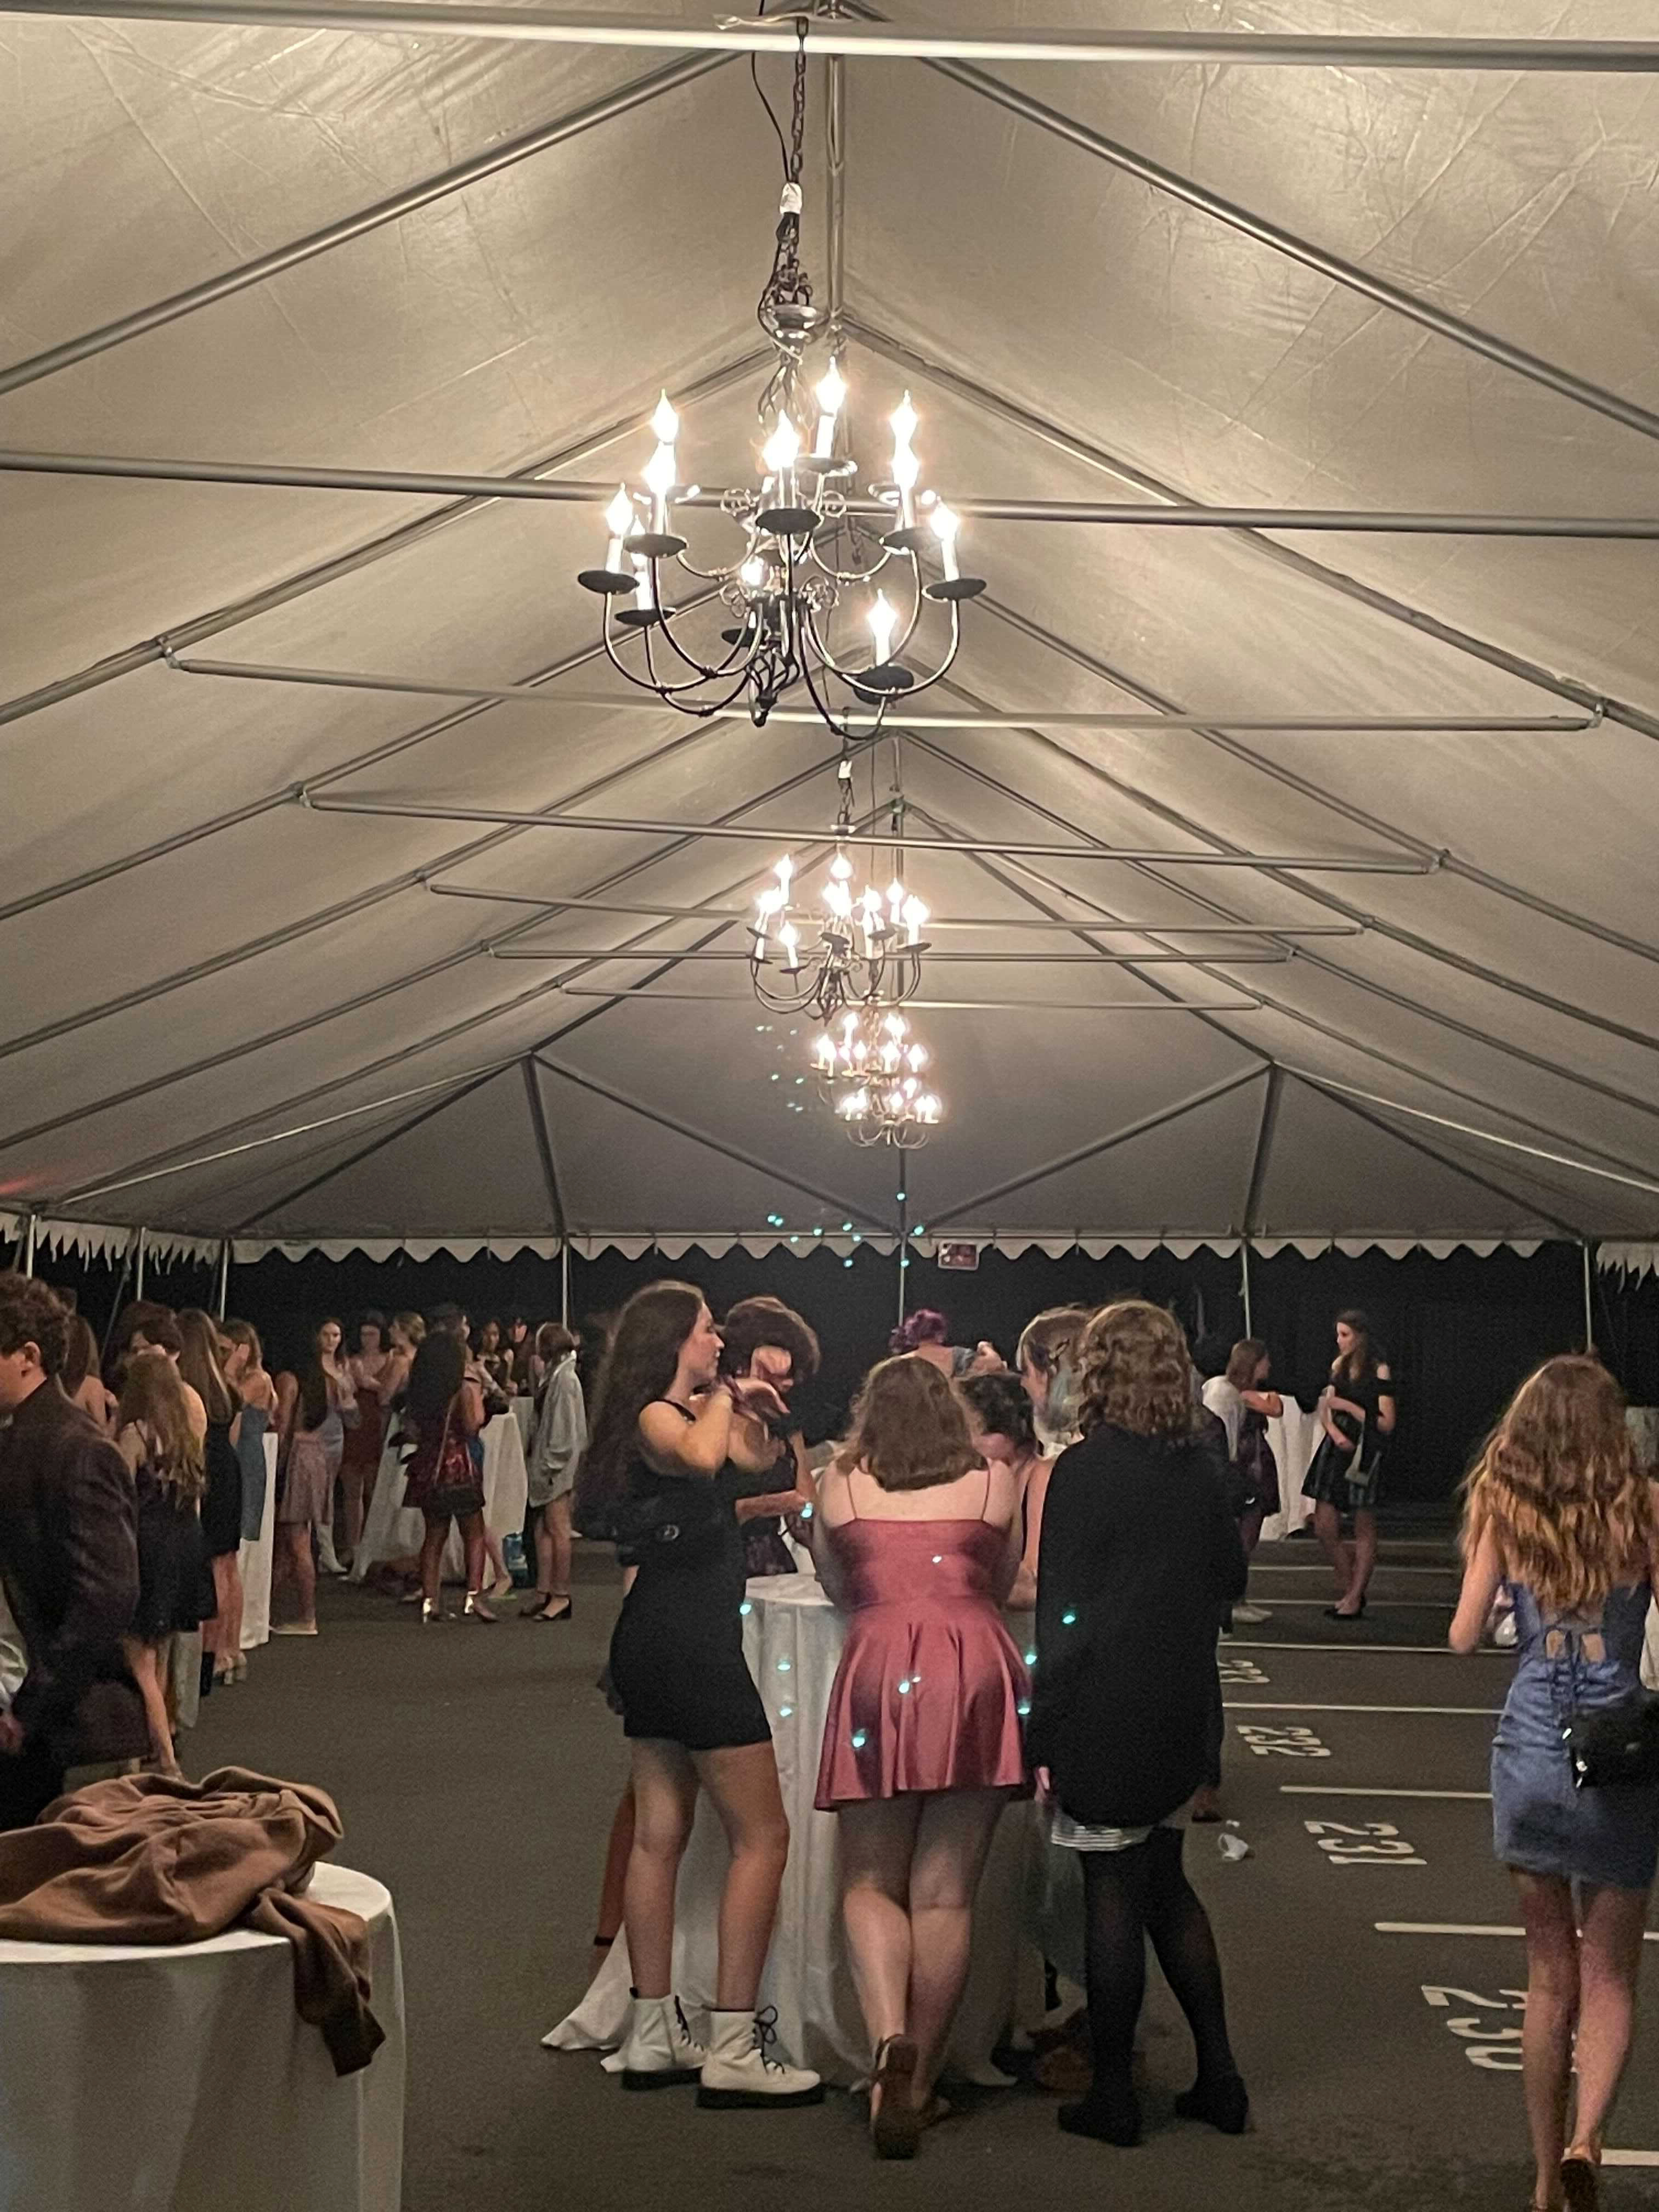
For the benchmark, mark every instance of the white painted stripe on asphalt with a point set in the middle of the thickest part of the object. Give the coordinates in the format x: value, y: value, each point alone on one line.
x: 1630, y: 2158
x: 1468, y: 1712
x: 1429, y: 1650
x: 1372, y: 1605
x: 1259, y: 1566
x: 1461, y: 1928
x: 1330, y: 1789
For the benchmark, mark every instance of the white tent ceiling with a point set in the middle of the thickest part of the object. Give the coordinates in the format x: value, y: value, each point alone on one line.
x: 226, y: 1010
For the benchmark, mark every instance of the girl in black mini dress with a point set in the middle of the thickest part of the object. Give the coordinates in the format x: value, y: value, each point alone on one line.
x: 1357, y: 1414
x: 669, y: 1449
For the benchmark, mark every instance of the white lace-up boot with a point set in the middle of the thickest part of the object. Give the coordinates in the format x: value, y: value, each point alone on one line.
x: 660, y: 2052
x: 740, y: 2070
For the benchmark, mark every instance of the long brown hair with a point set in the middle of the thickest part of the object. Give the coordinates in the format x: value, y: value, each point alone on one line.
x: 245, y: 1333
x: 1354, y: 1366
x: 80, y: 1355
x: 909, y: 1428
x: 1246, y: 1356
x: 153, y: 1400
x: 1138, y: 1372
x: 1558, y: 1485
x: 198, y: 1362
x: 639, y: 1365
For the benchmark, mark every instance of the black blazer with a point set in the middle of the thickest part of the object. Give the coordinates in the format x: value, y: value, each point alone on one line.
x: 1140, y: 1553
x: 68, y: 1553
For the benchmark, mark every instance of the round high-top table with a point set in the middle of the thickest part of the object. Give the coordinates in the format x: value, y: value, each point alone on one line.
x: 180, y: 2078
x: 792, y: 1639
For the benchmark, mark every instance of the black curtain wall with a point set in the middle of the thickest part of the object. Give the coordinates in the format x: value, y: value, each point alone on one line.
x: 1460, y: 1332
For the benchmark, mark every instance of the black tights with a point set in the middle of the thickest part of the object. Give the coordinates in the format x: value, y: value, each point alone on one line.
x: 1129, y: 1895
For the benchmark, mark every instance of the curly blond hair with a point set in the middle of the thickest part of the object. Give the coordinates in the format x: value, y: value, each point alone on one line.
x: 1138, y: 1373
x: 1559, y: 1486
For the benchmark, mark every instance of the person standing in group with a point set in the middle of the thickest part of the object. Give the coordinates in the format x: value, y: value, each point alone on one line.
x: 445, y: 1409
x: 560, y: 1437
x: 69, y: 1558
x: 526, y: 1367
x: 1356, y: 1413
x: 668, y: 1448
x: 452, y: 1320
x: 926, y: 1335
x: 222, y: 1496
x: 313, y: 1440
x: 1240, y: 1399
x: 81, y: 1382
x: 256, y: 1395
x: 405, y: 1333
x: 1139, y: 1553
x: 371, y: 1367
x: 166, y: 1460
x: 1003, y: 1427
x: 495, y: 1359
x: 1045, y: 1362
x: 763, y: 1338
x: 921, y: 1540
x: 1558, y: 1511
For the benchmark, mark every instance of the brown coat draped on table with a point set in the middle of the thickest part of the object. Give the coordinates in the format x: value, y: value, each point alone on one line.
x: 149, y: 1860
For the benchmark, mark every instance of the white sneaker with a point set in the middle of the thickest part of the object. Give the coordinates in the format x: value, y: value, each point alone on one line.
x: 740, y: 2071
x: 1250, y: 1616
x: 660, y: 2052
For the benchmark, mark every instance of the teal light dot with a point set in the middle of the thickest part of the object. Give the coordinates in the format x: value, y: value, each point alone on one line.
x: 904, y: 1689
x: 917, y: 1230
x: 1030, y: 1658
x: 900, y: 1196
x: 846, y: 1228
x: 775, y: 1077
x: 846, y: 1263
x: 784, y: 1711
x: 746, y: 1608
x: 859, y: 1739
x: 806, y: 1512
x: 818, y: 1232
x: 1023, y: 1710
x: 783, y: 1666
x: 1067, y: 1619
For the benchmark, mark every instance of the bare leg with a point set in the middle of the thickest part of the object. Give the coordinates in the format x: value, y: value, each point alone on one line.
x: 1546, y: 2030
x: 476, y: 1541
x: 1327, y: 1527
x: 432, y: 1557
x: 665, y: 1793
x: 352, y: 1476
x: 228, y: 1627
x: 1362, y: 1555
x: 743, y: 1781
x: 142, y: 1659
x: 1609, y: 1953
x: 878, y: 1842
x: 615, y: 1875
x: 490, y: 1545
x: 296, y: 1549
x: 552, y: 1558
x: 952, y: 1838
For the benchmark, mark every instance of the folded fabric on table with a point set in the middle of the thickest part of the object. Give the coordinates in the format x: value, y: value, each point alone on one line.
x: 149, y: 1859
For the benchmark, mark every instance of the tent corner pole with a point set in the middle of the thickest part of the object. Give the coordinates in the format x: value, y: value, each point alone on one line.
x: 564, y: 1281
x: 138, y: 1263
x: 26, y: 1262
x: 903, y: 1254
x: 224, y: 1305
x: 1589, y: 1299
x: 1244, y: 1281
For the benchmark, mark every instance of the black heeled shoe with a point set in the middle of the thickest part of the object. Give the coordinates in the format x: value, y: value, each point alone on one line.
x: 1335, y: 1612
x: 1225, y: 2104
x: 1580, y: 2184
x: 895, y: 2122
x: 1109, y: 2115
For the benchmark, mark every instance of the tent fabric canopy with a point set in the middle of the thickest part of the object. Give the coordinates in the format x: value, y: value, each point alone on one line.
x: 232, y: 1010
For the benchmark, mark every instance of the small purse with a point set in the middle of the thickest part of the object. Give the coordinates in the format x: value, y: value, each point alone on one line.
x: 1617, y: 1746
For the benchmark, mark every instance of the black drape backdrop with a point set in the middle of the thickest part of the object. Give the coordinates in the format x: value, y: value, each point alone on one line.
x: 1460, y: 1332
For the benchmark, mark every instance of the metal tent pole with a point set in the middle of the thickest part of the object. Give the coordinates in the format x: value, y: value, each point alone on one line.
x: 1244, y: 1281
x: 27, y: 1266
x: 564, y: 1279
x: 138, y: 1264
x: 224, y: 1305
x: 1589, y: 1303
x: 903, y: 1254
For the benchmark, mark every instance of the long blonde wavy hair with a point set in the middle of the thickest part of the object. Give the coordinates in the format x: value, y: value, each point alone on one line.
x: 1558, y: 1485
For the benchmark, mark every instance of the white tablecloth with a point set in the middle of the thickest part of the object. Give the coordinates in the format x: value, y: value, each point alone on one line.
x: 182, y: 2080
x: 393, y: 1530
x: 523, y: 1411
x: 793, y: 1639
x: 256, y: 1557
x: 1295, y: 1438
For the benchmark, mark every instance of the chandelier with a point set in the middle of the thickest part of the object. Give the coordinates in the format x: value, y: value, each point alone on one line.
x: 802, y: 558
x: 873, y: 1078
x: 863, y: 950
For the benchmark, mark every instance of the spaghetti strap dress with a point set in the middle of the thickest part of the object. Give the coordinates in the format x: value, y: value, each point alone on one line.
x: 1541, y: 1823
x: 931, y: 1691
x: 676, y: 1663
x: 222, y: 1501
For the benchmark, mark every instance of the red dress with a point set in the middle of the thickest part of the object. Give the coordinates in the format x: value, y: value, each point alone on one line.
x: 931, y: 1690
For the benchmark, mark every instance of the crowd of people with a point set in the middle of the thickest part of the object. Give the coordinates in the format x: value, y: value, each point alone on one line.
x: 1096, y: 1482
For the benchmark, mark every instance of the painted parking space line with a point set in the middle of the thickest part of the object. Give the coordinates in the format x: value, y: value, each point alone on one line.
x: 1463, y: 1928
x: 1347, y: 1789
x: 1418, y: 1650
x: 1465, y: 1712
x: 1630, y: 2158
x: 1318, y: 1567
x: 1433, y: 1604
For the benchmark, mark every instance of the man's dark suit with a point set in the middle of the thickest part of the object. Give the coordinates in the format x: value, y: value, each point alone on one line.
x: 69, y: 1554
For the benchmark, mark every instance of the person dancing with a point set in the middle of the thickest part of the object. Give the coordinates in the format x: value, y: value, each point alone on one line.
x: 921, y: 1541
x: 1139, y: 1553
x: 665, y: 1451
x: 1557, y: 1510
x: 1357, y: 1414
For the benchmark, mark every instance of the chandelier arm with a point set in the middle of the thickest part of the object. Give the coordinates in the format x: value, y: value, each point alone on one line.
x: 848, y: 735
x: 701, y: 672
x: 927, y: 683
x: 878, y: 701
x: 849, y: 575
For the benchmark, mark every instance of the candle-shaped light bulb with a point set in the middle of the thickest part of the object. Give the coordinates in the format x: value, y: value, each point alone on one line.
x: 906, y: 467
x: 896, y: 898
x: 665, y: 423
x: 916, y: 917
x: 645, y: 598
x: 753, y: 572
x: 619, y: 521
x: 789, y: 938
x: 945, y: 526
x: 841, y: 867
x: 883, y: 622
x: 782, y: 448
x: 829, y: 391
x: 823, y: 1053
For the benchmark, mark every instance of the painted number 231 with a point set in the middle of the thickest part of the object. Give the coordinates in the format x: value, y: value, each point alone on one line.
x: 1378, y: 1843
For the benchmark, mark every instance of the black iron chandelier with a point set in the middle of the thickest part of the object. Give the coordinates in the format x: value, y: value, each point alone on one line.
x: 803, y: 560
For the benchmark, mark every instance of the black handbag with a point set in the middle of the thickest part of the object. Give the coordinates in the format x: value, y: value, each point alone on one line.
x: 1615, y: 1746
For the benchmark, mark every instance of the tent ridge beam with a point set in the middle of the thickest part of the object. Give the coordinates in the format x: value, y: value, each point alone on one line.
x: 688, y: 1130
x: 1359, y: 817
x: 945, y: 1005
x: 1381, y: 863
x: 883, y: 40
x: 1100, y: 513
x: 1417, y: 619
x: 148, y: 650
x: 1332, y: 266
x: 533, y: 695
x: 229, y: 282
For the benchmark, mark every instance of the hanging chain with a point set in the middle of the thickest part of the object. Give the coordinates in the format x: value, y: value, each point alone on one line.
x: 788, y: 285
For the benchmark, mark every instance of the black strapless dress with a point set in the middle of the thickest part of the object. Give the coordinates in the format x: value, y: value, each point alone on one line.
x: 222, y: 1501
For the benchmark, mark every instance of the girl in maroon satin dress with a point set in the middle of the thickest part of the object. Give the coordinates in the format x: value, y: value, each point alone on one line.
x: 919, y: 1545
